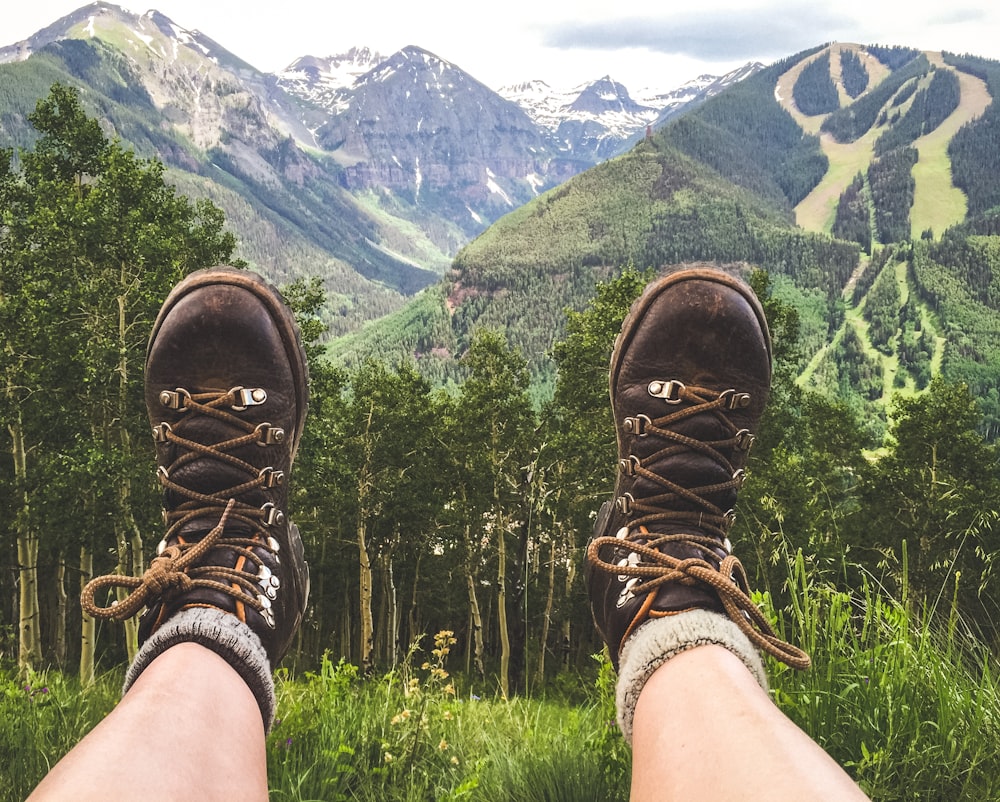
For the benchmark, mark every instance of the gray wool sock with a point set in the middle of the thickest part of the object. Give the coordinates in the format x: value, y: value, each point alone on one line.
x: 659, y: 639
x: 225, y: 635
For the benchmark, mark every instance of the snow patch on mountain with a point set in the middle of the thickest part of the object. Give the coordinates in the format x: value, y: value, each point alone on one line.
x: 324, y: 80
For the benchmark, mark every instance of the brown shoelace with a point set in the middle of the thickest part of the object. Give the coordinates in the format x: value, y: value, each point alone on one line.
x: 175, y: 571
x: 655, y: 568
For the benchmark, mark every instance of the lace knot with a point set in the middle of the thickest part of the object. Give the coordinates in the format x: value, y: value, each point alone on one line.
x: 165, y: 577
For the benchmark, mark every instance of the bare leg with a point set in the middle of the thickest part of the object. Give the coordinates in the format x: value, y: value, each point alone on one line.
x: 704, y: 729
x: 189, y: 728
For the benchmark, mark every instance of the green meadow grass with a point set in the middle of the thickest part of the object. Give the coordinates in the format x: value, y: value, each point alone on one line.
x: 910, y: 708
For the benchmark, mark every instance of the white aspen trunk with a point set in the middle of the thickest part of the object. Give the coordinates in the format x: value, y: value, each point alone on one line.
x: 411, y: 617
x: 345, y: 626
x: 131, y: 561
x: 392, y: 633
x: 476, y: 618
x: 365, y: 597
x: 88, y: 626
x: 29, y: 651
x: 547, y: 617
x: 570, y: 577
x: 502, y: 612
x: 62, y: 603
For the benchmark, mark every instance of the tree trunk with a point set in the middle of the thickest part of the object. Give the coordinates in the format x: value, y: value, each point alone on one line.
x: 62, y: 603
x: 476, y: 618
x: 345, y: 627
x: 546, y: 617
x: 411, y: 617
x: 29, y: 651
x: 502, y: 610
x: 392, y: 607
x: 88, y: 627
x: 365, y: 598
x: 570, y: 578
x: 131, y: 560
x: 519, y: 625
x: 379, y: 613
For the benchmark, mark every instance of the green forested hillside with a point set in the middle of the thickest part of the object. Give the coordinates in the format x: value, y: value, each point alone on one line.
x: 747, y: 137
x: 651, y: 207
x: 720, y: 184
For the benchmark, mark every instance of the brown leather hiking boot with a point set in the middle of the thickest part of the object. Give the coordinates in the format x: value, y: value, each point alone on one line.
x: 226, y: 392
x: 690, y: 376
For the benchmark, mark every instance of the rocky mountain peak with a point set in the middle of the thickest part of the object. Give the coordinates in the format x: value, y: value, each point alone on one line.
x: 606, y: 95
x: 330, y: 73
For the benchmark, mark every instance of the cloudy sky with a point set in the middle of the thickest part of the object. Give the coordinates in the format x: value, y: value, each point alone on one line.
x: 563, y: 42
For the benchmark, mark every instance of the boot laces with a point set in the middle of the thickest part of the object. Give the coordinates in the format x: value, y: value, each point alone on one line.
x: 175, y: 569
x: 648, y: 567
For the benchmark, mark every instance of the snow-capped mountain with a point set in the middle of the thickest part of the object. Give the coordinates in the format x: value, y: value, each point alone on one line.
x: 390, y: 163
x: 597, y: 120
x: 151, y: 31
x: 320, y: 80
x: 420, y: 126
x: 604, y: 100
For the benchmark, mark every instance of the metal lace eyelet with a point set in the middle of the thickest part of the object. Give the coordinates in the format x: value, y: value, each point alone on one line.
x: 175, y: 399
x: 272, y: 515
x: 734, y: 400
x: 624, y: 503
x: 270, y: 434
x: 744, y: 439
x: 637, y: 425
x: 248, y: 397
x: 629, y: 465
x: 160, y: 432
x: 669, y: 391
x: 271, y: 478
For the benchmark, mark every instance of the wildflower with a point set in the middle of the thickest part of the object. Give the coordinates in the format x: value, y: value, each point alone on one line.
x: 450, y: 690
x: 396, y: 719
x: 454, y: 760
x: 426, y: 665
x: 405, y: 714
x: 475, y: 698
x: 288, y: 743
x: 388, y: 757
x: 448, y: 715
x: 443, y: 745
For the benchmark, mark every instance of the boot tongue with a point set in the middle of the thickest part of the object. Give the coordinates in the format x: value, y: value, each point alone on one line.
x: 196, y: 529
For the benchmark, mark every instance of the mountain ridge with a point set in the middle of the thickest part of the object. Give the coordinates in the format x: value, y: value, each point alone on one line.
x: 412, y: 173
x: 367, y: 132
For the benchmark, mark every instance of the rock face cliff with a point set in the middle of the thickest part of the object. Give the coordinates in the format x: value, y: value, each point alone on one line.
x: 430, y: 133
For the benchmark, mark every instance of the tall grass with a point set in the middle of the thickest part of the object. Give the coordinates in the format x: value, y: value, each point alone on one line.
x: 909, y: 707
x: 907, y: 703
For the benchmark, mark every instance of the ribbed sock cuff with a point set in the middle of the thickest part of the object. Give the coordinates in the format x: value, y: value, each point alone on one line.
x: 659, y: 639
x: 225, y: 635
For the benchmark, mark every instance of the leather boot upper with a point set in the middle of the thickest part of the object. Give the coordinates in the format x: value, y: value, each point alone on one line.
x: 689, y: 380
x: 226, y: 393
